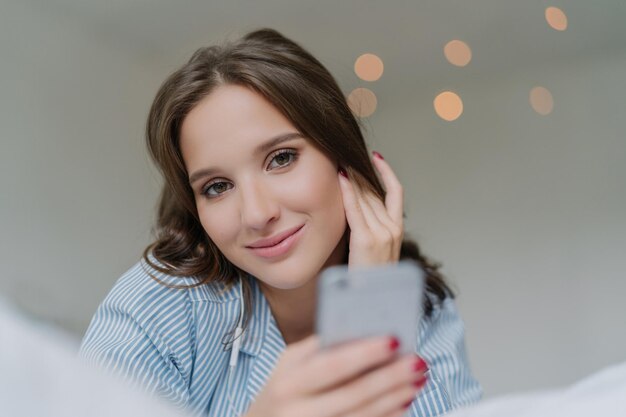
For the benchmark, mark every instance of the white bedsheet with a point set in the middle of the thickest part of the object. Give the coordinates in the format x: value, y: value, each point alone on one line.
x: 40, y: 375
x: 602, y: 394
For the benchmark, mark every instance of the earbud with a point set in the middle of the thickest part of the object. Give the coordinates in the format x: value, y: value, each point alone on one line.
x: 234, y: 353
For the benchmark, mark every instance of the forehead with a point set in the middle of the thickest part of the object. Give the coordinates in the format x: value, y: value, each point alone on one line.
x: 232, y: 115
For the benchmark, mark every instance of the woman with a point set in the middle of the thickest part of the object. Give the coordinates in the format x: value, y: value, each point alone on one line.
x: 256, y: 142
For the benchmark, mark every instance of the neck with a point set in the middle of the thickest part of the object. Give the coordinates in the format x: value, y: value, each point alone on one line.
x: 294, y: 309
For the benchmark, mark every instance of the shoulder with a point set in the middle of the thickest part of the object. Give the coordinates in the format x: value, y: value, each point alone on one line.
x: 444, y: 320
x: 441, y: 342
x: 158, y: 307
x: 441, y: 338
x: 145, y: 288
x: 150, y: 323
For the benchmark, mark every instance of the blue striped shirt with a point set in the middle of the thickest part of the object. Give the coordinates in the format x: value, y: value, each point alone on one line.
x: 171, y: 342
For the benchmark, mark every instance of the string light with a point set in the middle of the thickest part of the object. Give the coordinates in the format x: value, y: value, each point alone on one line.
x: 448, y: 106
x: 541, y: 100
x: 457, y: 53
x: 362, y: 102
x: 556, y: 18
x: 369, y: 67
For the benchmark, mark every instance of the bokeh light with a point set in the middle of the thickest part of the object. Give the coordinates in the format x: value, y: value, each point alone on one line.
x: 448, y: 106
x: 457, y: 53
x: 556, y: 18
x: 541, y: 100
x: 362, y: 102
x: 369, y: 67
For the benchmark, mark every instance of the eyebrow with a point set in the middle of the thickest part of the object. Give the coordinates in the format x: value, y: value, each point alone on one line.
x: 262, y: 148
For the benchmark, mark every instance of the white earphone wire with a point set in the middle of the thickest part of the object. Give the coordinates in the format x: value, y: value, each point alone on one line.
x: 234, y: 353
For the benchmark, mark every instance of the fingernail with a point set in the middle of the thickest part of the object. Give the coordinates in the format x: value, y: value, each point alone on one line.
x: 343, y: 172
x: 420, y: 365
x: 420, y: 382
x: 407, y: 405
x: 377, y: 154
x: 394, y: 344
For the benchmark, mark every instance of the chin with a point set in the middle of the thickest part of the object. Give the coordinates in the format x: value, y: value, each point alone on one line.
x: 290, y: 275
x: 287, y: 281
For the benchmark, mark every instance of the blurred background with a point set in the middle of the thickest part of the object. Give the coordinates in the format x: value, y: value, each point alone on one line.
x: 505, y: 121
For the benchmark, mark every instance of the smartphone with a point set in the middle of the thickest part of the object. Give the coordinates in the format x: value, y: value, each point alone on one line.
x: 363, y: 302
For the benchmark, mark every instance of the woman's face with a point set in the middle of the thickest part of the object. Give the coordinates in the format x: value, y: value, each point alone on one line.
x: 255, y: 192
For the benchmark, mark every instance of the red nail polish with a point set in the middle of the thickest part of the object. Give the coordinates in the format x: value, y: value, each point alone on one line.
x: 394, y: 344
x: 377, y: 154
x: 343, y: 172
x: 420, y: 382
x: 420, y: 365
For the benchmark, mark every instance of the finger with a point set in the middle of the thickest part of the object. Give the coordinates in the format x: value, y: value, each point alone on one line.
x: 381, y: 213
x: 391, y: 403
x: 385, y: 241
x: 395, y: 231
x: 343, y: 362
x: 377, y: 218
x: 379, y: 392
x: 399, y: 413
x: 354, y: 215
x: 394, y: 200
x: 301, y: 351
x: 394, y: 402
x: 371, y: 217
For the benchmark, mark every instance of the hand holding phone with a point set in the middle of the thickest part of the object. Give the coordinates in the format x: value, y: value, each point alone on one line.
x: 360, y: 378
x: 363, y: 313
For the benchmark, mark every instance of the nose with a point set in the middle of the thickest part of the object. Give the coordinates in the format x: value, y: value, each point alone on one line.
x: 258, y: 205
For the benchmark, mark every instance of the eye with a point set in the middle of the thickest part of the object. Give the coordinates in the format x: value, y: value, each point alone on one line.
x: 284, y: 157
x: 218, y: 186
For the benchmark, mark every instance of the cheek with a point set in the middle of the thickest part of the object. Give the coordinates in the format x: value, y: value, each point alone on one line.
x: 315, y: 189
x: 219, y: 226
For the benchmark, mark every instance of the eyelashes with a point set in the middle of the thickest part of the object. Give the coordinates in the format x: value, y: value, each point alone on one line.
x: 291, y: 154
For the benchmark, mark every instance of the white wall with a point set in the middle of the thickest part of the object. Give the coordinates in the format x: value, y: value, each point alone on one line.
x: 77, y: 190
x: 525, y: 212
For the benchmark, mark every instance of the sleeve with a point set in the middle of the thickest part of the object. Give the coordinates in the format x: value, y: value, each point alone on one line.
x: 139, y: 337
x: 441, y: 342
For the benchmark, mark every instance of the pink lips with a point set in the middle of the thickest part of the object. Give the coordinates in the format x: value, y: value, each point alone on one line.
x: 280, y: 248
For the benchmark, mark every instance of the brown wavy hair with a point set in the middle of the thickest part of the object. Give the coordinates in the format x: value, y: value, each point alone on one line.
x: 303, y: 90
